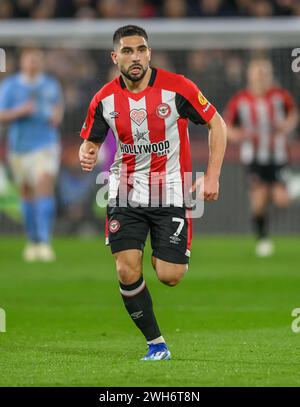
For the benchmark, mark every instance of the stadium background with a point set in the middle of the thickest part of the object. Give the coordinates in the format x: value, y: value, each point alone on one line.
x: 210, y: 41
x: 84, y: 68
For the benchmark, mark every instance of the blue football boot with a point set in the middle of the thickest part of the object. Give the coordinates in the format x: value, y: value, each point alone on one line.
x: 157, y: 351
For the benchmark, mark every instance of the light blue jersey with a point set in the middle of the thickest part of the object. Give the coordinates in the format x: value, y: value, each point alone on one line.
x: 31, y: 132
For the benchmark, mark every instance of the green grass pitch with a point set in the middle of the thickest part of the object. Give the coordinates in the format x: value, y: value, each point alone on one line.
x: 228, y: 323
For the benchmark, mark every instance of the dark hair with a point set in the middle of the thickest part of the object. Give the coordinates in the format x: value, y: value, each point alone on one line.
x: 127, y: 31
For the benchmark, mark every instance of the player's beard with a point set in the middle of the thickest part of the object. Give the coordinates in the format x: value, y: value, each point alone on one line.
x: 134, y: 78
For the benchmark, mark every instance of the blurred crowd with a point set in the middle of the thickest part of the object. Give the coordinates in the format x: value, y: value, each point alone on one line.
x: 219, y: 73
x: 92, y: 9
x: 81, y: 72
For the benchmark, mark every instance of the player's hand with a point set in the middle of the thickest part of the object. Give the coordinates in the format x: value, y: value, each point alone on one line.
x: 280, y: 129
x: 209, y: 187
x: 27, y: 109
x: 57, y: 116
x: 237, y: 135
x: 88, y: 154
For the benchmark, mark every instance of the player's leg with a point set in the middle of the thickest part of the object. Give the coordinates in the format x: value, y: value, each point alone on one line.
x: 27, y: 201
x: 19, y: 167
x: 46, y: 165
x: 169, y: 273
x: 127, y: 231
x: 45, y: 214
x: 259, y: 200
x: 135, y: 294
x: 28, y: 212
x: 280, y: 195
x: 171, y: 235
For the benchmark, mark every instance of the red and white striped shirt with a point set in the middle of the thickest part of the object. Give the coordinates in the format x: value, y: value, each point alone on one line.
x: 259, y: 116
x: 151, y: 131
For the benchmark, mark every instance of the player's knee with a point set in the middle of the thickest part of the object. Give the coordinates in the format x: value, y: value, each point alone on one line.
x: 281, y: 200
x: 282, y: 204
x: 258, y: 208
x: 128, y: 273
x: 26, y: 192
x: 45, y: 185
x: 171, y: 278
x: 170, y: 282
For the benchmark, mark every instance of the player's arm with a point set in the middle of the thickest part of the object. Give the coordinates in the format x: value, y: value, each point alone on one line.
x: 289, y: 123
x: 217, y: 140
x: 57, y: 114
x: 8, y: 112
x: 235, y: 132
x: 94, y: 131
x: 9, y: 115
x: 88, y: 153
x: 193, y: 105
x: 58, y: 107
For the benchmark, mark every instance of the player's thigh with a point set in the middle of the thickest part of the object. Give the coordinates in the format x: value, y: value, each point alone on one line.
x: 280, y: 196
x: 36, y: 169
x: 45, y: 168
x: 20, y: 169
x: 126, y: 228
x: 171, y: 234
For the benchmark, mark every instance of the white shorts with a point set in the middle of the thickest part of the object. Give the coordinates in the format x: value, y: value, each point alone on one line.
x: 27, y: 168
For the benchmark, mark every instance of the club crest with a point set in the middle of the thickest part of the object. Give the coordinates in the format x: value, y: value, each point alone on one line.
x: 163, y: 110
x: 114, y: 226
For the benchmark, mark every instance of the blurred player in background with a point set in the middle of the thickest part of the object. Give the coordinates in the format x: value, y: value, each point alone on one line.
x: 260, y: 118
x: 147, y: 109
x: 31, y: 105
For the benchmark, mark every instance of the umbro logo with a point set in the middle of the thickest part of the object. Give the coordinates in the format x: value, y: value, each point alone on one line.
x: 136, y: 315
x: 174, y: 239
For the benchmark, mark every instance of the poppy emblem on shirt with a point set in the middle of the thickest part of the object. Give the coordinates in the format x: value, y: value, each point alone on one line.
x: 114, y: 226
x: 163, y: 110
x: 138, y: 116
x: 203, y: 101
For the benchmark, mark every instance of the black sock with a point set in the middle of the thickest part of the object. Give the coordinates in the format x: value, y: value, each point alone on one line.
x: 138, y: 303
x: 260, y: 226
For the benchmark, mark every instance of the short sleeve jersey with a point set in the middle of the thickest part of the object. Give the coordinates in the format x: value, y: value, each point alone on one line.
x: 151, y: 132
x: 35, y: 131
